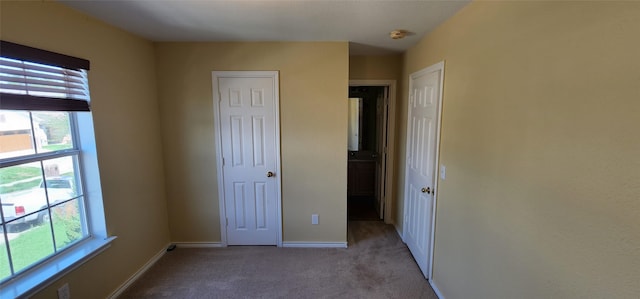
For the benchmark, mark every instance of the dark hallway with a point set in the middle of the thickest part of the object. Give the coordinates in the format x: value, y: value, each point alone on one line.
x: 362, y: 208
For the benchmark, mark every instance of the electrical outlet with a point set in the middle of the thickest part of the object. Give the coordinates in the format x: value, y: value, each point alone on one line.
x: 64, y: 292
x: 314, y: 219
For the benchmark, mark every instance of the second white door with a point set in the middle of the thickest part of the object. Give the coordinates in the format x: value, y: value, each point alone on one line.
x: 420, y: 180
x: 247, y: 108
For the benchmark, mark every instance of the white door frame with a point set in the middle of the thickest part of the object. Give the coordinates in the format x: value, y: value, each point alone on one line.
x: 218, y: 140
x: 391, y: 129
x: 436, y: 67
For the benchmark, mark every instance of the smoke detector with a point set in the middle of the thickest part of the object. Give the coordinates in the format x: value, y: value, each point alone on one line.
x: 398, y: 34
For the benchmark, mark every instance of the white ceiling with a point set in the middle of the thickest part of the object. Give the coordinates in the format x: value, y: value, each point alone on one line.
x: 364, y: 23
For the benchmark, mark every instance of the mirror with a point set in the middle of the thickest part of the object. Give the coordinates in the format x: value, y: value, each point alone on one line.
x: 354, y: 128
x: 365, y: 108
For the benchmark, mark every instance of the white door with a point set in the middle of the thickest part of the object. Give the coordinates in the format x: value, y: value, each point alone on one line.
x: 425, y: 97
x: 248, y: 156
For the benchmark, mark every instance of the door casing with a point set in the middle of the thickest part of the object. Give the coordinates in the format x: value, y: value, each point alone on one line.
x: 218, y: 140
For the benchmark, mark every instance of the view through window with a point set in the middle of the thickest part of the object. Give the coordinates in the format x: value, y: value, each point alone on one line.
x: 40, y: 192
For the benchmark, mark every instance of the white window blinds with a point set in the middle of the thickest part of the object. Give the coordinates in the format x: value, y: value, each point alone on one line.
x: 21, y: 77
x: 28, y: 84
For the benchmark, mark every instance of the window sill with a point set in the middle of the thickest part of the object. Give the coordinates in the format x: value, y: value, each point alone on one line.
x: 43, y: 275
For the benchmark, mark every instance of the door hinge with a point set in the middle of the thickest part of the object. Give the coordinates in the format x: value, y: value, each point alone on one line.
x: 223, y: 162
x: 227, y: 219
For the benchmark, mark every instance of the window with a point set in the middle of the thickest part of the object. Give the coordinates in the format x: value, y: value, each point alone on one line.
x: 40, y: 189
x: 44, y: 164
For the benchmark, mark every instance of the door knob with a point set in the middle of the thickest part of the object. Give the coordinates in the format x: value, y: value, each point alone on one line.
x: 270, y: 174
x: 426, y: 190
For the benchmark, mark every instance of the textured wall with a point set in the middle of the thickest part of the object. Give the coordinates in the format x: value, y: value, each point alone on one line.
x: 313, y: 120
x: 540, y: 139
x: 127, y: 129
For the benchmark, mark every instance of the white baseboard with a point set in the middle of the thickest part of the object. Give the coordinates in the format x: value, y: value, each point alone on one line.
x: 435, y: 289
x: 138, y: 273
x: 315, y: 244
x: 198, y: 244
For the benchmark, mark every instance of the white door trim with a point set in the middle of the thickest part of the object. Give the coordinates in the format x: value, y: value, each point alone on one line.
x: 218, y: 141
x: 436, y: 67
x: 391, y: 129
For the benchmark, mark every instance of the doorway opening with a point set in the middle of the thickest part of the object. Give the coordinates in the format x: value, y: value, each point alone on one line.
x: 371, y: 111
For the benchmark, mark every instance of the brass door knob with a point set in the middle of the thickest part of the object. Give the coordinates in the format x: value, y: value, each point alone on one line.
x: 426, y: 190
x: 270, y: 174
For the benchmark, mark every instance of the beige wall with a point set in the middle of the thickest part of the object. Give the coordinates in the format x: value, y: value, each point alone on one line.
x: 540, y: 139
x: 313, y: 120
x: 127, y: 128
x: 384, y: 67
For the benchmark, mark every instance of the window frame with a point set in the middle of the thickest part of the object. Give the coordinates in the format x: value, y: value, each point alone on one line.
x: 41, y: 158
x: 34, y: 278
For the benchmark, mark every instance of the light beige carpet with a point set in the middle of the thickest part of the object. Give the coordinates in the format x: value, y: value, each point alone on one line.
x: 376, y: 265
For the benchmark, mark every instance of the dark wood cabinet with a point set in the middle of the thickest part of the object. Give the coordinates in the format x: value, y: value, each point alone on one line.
x: 361, y: 177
